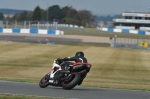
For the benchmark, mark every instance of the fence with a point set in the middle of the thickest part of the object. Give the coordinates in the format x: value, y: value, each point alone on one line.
x: 36, y: 25
x: 130, y: 43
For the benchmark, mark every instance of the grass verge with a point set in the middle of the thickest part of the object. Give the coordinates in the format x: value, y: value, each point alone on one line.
x: 111, y: 68
x: 95, y: 32
x: 8, y: 96
x: 110, y: 34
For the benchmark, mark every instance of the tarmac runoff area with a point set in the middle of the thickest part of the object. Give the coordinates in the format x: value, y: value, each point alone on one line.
x: 44, y: 38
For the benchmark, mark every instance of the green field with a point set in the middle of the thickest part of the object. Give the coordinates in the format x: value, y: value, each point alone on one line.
x: 7, y: 96
x: 111, y: 68
x: 95, y: 32
x: 107, y: 34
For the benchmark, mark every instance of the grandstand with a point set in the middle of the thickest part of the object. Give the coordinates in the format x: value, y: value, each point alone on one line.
x: 133, y: 21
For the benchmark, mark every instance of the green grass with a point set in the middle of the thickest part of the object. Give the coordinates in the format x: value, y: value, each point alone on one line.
x: 107, y: 34
x: 111, y: 68
x: 8, y: 96
x: 86, y: 44
x: 95, y: 32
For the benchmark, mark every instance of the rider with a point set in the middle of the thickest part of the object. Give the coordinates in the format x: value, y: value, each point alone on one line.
x: 79, y: 57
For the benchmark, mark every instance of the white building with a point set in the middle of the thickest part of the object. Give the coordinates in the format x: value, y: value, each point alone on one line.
x: 133, y: 20
x: 8, y: 15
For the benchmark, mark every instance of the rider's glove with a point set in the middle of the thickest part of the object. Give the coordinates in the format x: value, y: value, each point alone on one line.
x: 59, y: 60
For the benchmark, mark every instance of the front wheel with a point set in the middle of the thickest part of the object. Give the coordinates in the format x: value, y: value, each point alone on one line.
x: 44, y: 82
x: 73, y: 80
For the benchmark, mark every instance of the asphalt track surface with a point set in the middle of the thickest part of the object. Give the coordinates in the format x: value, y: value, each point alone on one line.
x: 41, y: 38
x: 32, y: 89
x: 35, y: 39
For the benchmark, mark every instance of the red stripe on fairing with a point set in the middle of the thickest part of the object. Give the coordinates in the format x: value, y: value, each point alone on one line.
x: 58, y: 67
x: 79, y: 63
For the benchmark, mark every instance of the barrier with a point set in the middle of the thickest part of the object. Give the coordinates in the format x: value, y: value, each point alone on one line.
x: 140, y: 32
x: 110, y: 30
x: 7, y: 31
x: 132, y: 43
x: 125, y: 31
x: 51, y: 32
x: 25, y: 31
x: 59, y: 25
x: 117, y: 30
x: 16, y: 30
x: 1, y: 30
x: 32, y: 31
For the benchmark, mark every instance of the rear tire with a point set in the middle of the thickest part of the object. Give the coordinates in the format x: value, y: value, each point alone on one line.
x: 44, y: 82
x: 76, y: 78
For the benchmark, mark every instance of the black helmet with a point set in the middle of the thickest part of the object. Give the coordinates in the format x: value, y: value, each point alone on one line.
x: 79, y: 54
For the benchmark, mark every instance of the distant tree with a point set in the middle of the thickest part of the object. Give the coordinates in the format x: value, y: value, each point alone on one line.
x: 1, y: 16
x: 66, y: 14
x: 23, y: 16
x: 43, y: 14
x: 16, y: 17
x: 72, y: 13
x: 65, y: 10
x: 85, y: 16
x: 70, y: 21
x: 37, y: 14
x: 29, y: 16
x: 55, y: 13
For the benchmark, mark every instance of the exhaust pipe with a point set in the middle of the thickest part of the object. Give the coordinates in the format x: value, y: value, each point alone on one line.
x: 83, y: 71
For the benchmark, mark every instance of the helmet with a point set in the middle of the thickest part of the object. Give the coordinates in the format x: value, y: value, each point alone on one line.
x: 79, y: 54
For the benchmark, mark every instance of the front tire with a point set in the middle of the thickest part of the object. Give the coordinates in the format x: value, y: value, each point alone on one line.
x: 75, y: 79
x: 44, y: 82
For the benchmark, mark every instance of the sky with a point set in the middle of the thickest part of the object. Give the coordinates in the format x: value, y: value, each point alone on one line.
x: 97, y: 7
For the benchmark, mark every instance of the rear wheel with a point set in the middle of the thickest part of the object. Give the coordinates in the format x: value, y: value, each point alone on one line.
x: 44, y: 82
x: 73, y: 80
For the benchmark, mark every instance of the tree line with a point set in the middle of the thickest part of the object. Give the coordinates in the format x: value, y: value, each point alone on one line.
x: 1, y: 16
x: 65, y: 15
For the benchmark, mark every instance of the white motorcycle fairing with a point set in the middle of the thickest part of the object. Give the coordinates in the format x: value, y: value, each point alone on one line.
x: 53, y: 72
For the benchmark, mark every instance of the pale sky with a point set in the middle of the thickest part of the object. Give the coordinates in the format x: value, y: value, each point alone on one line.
x: 96, y: 6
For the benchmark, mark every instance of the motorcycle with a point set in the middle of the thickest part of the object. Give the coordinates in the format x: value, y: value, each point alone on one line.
x: 65, y: 74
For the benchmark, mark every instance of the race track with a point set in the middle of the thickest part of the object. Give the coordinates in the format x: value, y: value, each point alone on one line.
x: 7, y: 87
x: 76, y: 93
x: 41, y: 38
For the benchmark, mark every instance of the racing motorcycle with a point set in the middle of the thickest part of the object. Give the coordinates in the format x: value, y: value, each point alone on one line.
x: 65, y: 74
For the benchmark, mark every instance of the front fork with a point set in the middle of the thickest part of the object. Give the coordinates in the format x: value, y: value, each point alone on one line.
x: 52, y: 73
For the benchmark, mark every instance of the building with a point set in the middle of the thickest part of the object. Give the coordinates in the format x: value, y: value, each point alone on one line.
x: 133, y: 20
x: 8, y: 15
